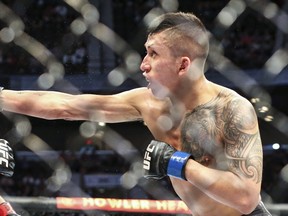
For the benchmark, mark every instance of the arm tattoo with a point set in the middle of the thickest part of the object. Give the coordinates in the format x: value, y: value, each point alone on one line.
x: 243, y: 149
x: 229, y: 126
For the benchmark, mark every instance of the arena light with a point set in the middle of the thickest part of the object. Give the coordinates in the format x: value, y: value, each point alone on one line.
x: 102, y: 124
x: 276, y: 146
x: 263, y: 109
x: 269, y: 118
x: 255, y: 100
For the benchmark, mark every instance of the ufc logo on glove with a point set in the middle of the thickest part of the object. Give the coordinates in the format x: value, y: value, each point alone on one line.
x: 4, y: 154
x: 7, y: 162
x: 147, y: 158
x: 161, y: 159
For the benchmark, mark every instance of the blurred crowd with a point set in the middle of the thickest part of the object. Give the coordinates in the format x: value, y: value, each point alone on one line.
x: 248, y: 43
x: 35, y: 176
x: 49, y: 23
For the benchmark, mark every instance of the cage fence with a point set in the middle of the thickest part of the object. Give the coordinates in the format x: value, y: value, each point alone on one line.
x: 97, y: 46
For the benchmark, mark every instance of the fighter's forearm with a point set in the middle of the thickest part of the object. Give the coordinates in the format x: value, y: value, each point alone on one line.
x: 16, y: 101
x: 41, y: 104
x: 224, y: 186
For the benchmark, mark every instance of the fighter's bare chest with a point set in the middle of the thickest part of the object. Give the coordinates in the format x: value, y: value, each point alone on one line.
x: 198, y: 132
x: 202, y: 133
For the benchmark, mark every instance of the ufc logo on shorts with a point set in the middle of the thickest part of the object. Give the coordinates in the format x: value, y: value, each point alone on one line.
x: 4, y: 154
x: 147, y: 158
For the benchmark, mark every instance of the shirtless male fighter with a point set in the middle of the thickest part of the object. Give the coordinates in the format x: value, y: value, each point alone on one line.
x: 206, y: 135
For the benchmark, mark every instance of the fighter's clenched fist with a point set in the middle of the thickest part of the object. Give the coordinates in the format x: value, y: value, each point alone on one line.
x: 161, y: 159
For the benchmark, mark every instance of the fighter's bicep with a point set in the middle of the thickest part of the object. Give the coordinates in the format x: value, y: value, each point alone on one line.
x: 106, y: 108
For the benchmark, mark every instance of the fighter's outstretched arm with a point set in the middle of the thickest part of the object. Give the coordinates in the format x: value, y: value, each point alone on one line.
x: 57, y: 105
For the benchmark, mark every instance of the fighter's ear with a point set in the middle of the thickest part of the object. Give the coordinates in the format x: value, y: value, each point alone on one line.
x: 184, y: 64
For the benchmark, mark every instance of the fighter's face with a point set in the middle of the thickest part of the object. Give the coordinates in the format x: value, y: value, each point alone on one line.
x: 159, y: 66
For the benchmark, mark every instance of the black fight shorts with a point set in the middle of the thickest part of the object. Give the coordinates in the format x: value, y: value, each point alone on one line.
x: 260, y: 210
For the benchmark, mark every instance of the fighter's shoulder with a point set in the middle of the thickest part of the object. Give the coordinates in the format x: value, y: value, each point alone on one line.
x: 138, y: 93
x: 237, y: 102
x: 136, y: 97
x: 232, y: 95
